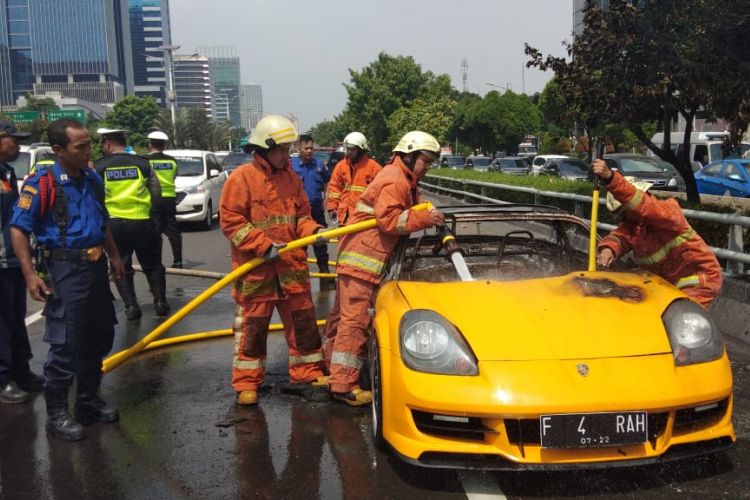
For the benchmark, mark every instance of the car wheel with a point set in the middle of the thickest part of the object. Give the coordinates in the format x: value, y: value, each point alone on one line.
x: 377, y: 395
x: 208, y: 221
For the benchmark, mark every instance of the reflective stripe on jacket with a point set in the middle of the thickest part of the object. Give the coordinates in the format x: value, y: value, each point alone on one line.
x: 661, y: 239
x: 165, y: 168
x: 127, y: 188
x: 261, y: 206
x: 347, y: 184
x: 389, y: 199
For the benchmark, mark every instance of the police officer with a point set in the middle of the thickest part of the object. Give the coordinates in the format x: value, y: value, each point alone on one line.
x: 314, y: 175
x: 63, y: 205
x: 165, y: 208
x: 130, y: 186
x: 16, y: 379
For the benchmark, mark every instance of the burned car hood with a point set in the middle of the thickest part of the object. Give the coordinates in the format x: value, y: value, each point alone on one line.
x: 577, y: 316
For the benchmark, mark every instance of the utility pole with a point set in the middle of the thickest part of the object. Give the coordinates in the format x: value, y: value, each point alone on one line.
x: 465, y: 74
x: 171, y: 97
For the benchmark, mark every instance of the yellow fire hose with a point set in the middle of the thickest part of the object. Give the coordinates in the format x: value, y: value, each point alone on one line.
x: 117, y: 359
x: 594, y: 219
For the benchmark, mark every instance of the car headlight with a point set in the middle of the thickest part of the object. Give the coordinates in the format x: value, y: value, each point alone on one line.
x: 672, y: 182
x: 430, y: 343
x: 198, y: 188
x: 692, y: 333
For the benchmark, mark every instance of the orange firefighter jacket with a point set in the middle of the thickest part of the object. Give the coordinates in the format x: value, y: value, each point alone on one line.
x: 389, y: 200
x: 260, y: 206
x: 347, y: 184
x: 661, y: 239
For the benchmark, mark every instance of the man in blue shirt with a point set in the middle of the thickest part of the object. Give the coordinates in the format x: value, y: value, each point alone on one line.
x: 63, y: 205
x: 16, y: 379
x: 314, y: 175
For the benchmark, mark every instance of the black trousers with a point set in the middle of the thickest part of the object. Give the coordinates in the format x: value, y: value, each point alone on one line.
x: 165, y: 211
x: 80, y: 324
x: 15, y: 351
x: 139, y: 236
x: 321, y: 252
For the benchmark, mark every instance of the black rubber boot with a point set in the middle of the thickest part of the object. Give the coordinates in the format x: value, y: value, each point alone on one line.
x: 176, y: 254
x: 157, y: 281
x: 126, y: 287
x: 90, y: 407
x: 60, y: 423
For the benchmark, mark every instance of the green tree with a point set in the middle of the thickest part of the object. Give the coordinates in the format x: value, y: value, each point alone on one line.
x: 328, y: 132
x: 135, y: 115
x: 435, y: 117
x: 647, y: 63
x: 381, y: 88
x: 197, y: 131
x: 42, y: 104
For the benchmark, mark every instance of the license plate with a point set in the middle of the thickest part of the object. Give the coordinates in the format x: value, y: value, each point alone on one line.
x: 593, y: 430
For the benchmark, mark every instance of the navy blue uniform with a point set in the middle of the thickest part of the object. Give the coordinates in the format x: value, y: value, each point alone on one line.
x: 314, y: 176
x: 80, y: 320
x: 15, y: 351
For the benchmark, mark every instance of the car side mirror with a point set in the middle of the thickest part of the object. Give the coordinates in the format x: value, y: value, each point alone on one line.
x: 213, y: 173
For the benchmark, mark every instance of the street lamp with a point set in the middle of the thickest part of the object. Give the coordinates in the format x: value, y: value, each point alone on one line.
x: 170, y: 94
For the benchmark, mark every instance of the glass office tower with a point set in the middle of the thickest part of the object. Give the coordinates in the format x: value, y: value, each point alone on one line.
x: 225, y: 66
x: 149, y: 29
x: 80, y: 48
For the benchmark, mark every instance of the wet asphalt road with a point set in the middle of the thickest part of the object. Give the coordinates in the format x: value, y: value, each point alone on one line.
x: 182, y: 436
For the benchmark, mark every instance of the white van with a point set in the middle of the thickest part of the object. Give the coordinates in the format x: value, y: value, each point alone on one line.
x: 28, y: 158
x: 705, y: 147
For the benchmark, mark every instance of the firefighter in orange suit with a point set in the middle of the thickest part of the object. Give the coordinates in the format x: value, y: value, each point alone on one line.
x: 362, y: 257
x: 660, y: 237
x: 349, y: 178
x: 263, y: 207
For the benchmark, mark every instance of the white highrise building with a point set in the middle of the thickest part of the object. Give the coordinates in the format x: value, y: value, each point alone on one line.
x: 251, y: 105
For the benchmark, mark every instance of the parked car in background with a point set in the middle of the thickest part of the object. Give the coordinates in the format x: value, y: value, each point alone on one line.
x: 200, y: 179
x: 478, y: 162
x: 513, y: 165
x: 220, y: 155
x: 30, y: 155
x: 705, y: 147
x: 330, y: 156
x: 668, y: 167
x: 452, y: 161
x: 540, y: 161
x: 567, y: 168
x: 643, y: 167
x: 725, y: 177
x: 235, y: 159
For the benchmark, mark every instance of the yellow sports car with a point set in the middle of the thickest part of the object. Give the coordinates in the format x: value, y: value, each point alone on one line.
x: 532, y: 363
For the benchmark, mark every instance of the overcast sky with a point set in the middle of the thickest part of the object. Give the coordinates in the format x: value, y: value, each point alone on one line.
x: 300, y: 51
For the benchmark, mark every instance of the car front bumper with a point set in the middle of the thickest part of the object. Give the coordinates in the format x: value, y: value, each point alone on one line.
x: 506, y: 400
x: 192, y: 207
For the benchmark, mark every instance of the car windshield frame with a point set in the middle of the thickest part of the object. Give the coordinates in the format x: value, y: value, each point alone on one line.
x: 22, y: 164
x: 455, y: 161
x: 229, y: 162
x: 481, y: 161
x: 507, y: 163
x: 190, y: 166
x: 572, y: 166
x: 631, y: 166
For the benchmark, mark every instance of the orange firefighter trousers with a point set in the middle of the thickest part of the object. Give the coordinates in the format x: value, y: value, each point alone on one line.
x: 346, y: 332
x: 251, y: 320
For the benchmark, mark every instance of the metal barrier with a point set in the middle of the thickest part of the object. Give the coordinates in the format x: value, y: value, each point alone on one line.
x: 733, y: 255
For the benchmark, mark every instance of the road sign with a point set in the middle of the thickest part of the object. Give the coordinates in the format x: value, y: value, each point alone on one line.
x: 23, y: 116
x: 56, y: 114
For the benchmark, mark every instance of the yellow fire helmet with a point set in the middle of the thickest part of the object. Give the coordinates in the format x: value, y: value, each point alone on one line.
x: 356, y: 140
x: 418, y: 141
x: 613, y: 205
x: 273, y: 130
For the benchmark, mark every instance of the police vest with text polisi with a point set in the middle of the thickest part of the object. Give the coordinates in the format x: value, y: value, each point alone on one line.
x: 165, y: 168
x: 126, y: 191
